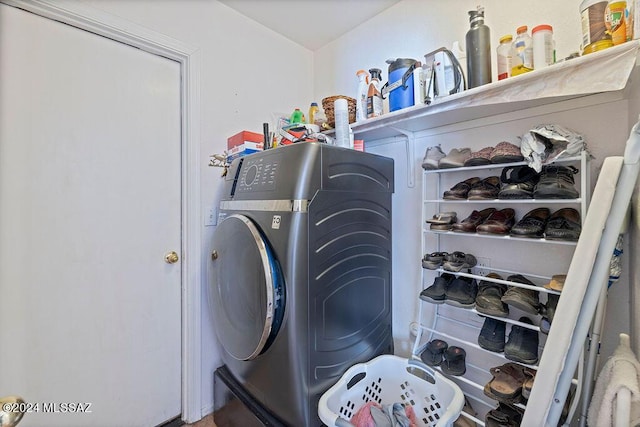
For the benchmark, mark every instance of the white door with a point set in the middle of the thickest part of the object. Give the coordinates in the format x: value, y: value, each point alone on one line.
x: 90, y: 203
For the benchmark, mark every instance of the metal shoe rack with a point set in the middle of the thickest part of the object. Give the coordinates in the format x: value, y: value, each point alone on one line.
x: 460, y: 326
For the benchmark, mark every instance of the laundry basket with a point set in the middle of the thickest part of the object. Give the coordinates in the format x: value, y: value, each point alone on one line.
x: 387, y: 379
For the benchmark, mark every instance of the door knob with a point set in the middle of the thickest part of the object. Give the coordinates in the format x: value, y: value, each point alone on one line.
x: 171, y: 258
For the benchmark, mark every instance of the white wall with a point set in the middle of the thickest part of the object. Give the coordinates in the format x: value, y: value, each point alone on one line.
x: 248, y: 72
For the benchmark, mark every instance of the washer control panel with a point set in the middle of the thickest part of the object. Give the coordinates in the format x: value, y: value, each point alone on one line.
x: 257, y: 175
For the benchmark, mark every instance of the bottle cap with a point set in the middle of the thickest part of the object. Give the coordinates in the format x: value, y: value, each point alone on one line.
x: 522, y: 29
x: 542, y: 28
x: 314, y: 104
x: 361, y: 72
x: 506, y: 38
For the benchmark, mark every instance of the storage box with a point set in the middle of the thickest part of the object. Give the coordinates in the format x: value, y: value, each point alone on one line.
x: 243, y: 137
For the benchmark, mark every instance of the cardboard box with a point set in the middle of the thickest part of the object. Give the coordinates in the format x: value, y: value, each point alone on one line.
x: 244, y: 136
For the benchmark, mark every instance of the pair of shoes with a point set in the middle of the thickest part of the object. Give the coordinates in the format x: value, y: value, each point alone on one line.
x: 432, y: 157
x: 456, y: 291
x: 489, y: 220
x: 433, y: 260
x: 503, y: 152
x: 556, y: 182
x: 489, y: 298
x: 442, y: 221
x: 506, y: 384
x: 564, y: 224
x: 504, y: 415
x: 457, y: 261
x: 451, y: 359
x: 522, y: 298
x: 455, y: 158
x: 522, y: 344
x: 474, y: 189
x: 518, y: 182
x: 492, y: 335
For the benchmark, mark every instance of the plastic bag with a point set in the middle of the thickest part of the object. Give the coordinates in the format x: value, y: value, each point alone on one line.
x: 549, y: 142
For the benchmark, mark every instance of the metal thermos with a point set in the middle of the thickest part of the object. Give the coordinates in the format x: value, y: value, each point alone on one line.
x: 478, y: 50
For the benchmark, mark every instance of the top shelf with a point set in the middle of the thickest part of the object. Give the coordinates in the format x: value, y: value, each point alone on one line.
x: 575, y: 78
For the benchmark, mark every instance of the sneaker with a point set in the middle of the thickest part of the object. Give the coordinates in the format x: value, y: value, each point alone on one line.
x: 521, y: 298
x: 522, y: 345
x: 564, y: 224
x: 455, y: 158
x: 456, y: 261
x: 556, y: 182
x: 518, y: 182
x: 461, y: 189
x: 492, y: 335
x: 506, y: 152
x: 532, y: 224
x: 432, y: 157
x: 489, y: 298
x: 436, y: 293
x: 488, y: 188
x: 462, y: 292
x: 479, y: 158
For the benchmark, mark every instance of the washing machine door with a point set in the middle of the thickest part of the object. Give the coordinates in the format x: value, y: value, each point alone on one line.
x: 247, y: 289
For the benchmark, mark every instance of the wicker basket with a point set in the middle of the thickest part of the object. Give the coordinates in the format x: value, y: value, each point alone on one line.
x: 328, y: 107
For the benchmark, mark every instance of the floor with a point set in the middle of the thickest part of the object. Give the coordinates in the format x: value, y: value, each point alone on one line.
x: 205, y: 422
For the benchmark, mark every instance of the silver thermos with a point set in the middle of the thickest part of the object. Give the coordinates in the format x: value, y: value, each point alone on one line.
x: 478, y: 50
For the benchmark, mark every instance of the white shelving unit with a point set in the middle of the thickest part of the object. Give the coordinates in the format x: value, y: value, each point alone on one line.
x: 444, y: 322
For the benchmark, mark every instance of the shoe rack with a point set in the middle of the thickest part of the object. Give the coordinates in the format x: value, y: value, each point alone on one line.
x: 461, y: 326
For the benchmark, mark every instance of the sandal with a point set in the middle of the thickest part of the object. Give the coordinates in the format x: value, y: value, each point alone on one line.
x: 432, y: 355
x: 433, y: 260
x: 506, y: 384
x: 454, y: 358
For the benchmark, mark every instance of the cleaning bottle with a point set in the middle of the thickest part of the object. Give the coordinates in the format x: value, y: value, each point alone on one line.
x: 313, y: 111
x: 361, y: 98
x: 478, y: 50
x: 374, y: 97
x: 296, y: 117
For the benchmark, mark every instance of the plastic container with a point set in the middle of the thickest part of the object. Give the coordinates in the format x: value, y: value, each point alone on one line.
x: 313, y: 111
x: 615, y: 21
x: 389, y: 379
x: 341, y: 111
x: 522, y: 52
x: 478, y: 40
x: 543, y: 46
x: 401, y: 83
x: 419, y: 86
x: 504, y: 57
x: 361, y: 96
x: 592, y: 19
x: 374, y: 97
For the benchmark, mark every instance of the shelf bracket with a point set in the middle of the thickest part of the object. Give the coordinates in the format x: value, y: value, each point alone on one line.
x: 411, y: 155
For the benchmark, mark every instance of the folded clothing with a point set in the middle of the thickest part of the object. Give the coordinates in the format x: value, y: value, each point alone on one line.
x: 371, y: 414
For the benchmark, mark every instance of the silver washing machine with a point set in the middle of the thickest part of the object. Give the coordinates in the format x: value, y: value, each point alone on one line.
x: 301, y: 286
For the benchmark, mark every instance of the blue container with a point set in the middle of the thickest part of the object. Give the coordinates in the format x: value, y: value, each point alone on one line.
x: 401, y: 83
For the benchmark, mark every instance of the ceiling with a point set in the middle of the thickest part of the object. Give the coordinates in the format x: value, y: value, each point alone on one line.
x: 310, y: 23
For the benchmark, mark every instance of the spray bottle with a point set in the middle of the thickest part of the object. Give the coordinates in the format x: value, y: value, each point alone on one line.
x: 374, y: 97
x: 361, y: 98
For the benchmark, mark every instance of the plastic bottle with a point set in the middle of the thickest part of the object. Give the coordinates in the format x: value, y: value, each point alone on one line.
x: 478, y: 40
x: 522, y: 52
x: 419, y: 92
x: 504, y: 57
x: 361, y: 97
x: 341, y: 112
x: 543, y: 46
x: 313, y: 110
x: 374, y: 97
x: 296, y: 117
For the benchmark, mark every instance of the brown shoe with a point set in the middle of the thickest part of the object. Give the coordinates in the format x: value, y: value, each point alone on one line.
x: 461, y: 189
x: 506, y: 384
x: 488, y: 188
x: 499, y: 222
x: 469, y: 224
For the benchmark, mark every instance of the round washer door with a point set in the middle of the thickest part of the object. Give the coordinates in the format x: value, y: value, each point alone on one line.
x: 247, y: 289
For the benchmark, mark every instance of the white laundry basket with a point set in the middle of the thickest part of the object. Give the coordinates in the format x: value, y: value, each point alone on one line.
x: 387, y: 379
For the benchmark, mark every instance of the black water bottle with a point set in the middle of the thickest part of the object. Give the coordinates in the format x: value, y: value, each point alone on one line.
x: 478, y: 50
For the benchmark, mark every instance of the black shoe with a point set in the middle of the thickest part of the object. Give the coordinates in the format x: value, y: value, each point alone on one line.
x: 518, y: 182
x: 548, y: 312
x: 532, y: 224
x: 564, y: 224
x: 488, y: 300
x: 521, y: 298
x: 556, y: 182
x: 436, y: 293
x: 434, y: 352
x: 504, y: 416
x: 462, y: 292
x: 492, y: 335
x: 454, y: 361
x: 522, y: 345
